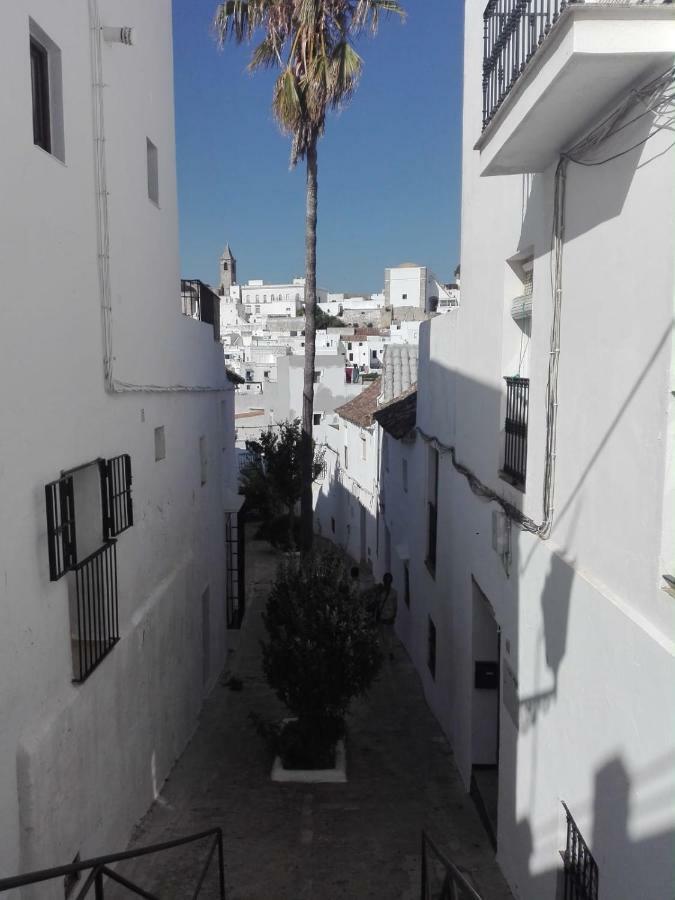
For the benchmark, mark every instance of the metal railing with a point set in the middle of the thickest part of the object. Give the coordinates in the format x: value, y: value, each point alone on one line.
x: 581, y: 870
x: 515, y: 428
x: 96, y: 626
x: 199, y: 302
x: 441, y: 879
x: 99, y: 871
x: 512, y: 32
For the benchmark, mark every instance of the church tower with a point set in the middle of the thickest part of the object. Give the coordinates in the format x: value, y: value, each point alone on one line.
x: 228, y: 271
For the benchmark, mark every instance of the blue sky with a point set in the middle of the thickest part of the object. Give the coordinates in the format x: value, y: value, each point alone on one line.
x: 389, y: 164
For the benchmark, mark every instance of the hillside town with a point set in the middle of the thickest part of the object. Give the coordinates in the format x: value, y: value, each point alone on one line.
x: 319, y: 594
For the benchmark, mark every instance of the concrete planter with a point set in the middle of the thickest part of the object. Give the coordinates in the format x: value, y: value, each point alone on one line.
x: 336, y: 775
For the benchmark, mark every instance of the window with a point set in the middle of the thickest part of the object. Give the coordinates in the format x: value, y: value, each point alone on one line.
x: 351, y: 357
x: 160, y: 443
x: 432, y: 509
x: 515, y: 430
x: 317, y: 418
x: 349, y: 347
x: 317, y: 375
x: 203, y: 459
x: 153, y: 172
x: 224, y: 267
x: 431, y: 647
x: 346, y: 459
x: 266, y: 373
x: 87, y: 508
x: 46, y: 92
x: 39, y: 74
x: 404, y: 474
x: 374, y: 354
x: 406, y: 584
x: 257, y: 309
x: 404, y: 296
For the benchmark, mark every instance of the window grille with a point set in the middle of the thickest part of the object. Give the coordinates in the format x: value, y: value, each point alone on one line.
x: 431, y: 647
x: 118, y: 510
x: 581, y: 870
x: 96, y: 625
x: 515, y: 428
x: 60, y: 526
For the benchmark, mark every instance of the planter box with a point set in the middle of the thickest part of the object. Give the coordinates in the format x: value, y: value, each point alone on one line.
x: 337, y: 775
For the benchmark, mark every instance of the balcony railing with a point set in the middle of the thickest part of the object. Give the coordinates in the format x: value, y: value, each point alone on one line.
x: 512, y: 31
x: 581, y: 870
x: 199, y: 302
x: 95, y: 629
x: 515, y: 428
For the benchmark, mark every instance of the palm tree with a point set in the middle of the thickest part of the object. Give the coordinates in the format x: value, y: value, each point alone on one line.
x: 310, y: 41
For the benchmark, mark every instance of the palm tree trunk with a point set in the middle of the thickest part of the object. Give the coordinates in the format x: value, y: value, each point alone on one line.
x: 307, y: 449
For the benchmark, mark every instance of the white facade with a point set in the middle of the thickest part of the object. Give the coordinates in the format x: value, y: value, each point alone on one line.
x: 410, y: 285
x: 366, y: 352
x: 80, y: 763
x: 576, y: 625
x: 259, y: 298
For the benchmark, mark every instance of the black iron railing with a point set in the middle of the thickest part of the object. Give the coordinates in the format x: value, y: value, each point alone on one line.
x: 199, y: 302
x: 581, y: 870
x: 95, y: 630
x: 235, y: 567
x: 512, y: 31
x: 441, y: 879
x: 99, y: 871
x: 515, y: 428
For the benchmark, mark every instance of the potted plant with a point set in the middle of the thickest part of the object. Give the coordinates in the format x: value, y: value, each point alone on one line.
x: 322, y: 651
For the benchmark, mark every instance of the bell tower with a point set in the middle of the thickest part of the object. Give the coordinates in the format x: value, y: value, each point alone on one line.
x: 227, y: 271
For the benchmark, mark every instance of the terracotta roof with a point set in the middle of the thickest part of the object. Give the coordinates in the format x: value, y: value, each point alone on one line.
x: 399, y: 416
x: 360, y: 410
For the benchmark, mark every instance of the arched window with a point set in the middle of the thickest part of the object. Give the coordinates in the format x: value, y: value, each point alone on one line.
x: 224, y: 267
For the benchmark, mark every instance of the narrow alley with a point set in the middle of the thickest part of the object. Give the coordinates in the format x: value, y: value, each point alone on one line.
x: 360, y: 839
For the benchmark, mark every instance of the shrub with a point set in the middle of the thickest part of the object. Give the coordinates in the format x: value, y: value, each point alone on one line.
x: 322, y: 652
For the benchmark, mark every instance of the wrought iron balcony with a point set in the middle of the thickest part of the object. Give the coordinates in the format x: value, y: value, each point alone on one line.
x: 553, y: 68
x: 512, y: 32
x: 199, y: 302
x: 515, y: 428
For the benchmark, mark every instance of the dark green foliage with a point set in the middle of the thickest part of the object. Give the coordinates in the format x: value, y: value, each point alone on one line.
x: 275, y: 530
x: 324, y: 320
x: 322, y: 651
x: 272, y: 481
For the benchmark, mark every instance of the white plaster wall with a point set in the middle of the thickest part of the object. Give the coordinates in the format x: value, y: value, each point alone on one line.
x: 410, y: 281
x: 81, y: 763
x: 586, y: 629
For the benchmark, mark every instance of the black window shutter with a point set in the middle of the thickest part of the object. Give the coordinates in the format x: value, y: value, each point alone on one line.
x: 60, y: 526
x: 118, y: 509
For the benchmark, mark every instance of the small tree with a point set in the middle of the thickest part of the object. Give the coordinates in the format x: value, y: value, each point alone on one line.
x: 321, y: 653
x: 272, y: 480
x: 325, y: 320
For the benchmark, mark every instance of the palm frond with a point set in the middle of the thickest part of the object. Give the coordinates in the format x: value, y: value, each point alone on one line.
x: 265, y: 56
x: 344, y: 72
x: 367, y: 14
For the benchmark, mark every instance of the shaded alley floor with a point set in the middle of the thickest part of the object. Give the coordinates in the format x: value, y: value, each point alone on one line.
x: 354, y: 840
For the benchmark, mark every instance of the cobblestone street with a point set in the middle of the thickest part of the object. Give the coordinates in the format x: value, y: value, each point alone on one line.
x: 360, y: 839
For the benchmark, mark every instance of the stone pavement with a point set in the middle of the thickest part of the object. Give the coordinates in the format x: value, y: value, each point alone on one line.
x: 314, y: 842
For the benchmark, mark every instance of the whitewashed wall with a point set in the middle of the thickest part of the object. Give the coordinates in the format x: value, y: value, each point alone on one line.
x: 79, y: 764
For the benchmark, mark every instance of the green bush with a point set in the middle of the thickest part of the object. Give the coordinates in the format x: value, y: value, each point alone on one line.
x: 322, y: 651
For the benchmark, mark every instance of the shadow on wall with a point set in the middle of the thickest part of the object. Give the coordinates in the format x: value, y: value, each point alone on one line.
x: 624, y: 818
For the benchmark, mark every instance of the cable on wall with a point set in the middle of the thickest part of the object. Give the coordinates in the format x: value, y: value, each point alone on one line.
x: 112, y: 384
x: 657, y: 97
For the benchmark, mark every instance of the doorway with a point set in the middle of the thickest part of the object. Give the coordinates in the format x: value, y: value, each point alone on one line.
x: 485, y: 702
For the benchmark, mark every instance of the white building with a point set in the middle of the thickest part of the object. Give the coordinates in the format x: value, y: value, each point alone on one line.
x: 411, y: 285
x: 261, y: 299
x: 116, y: 442
x: 365, y: 350
x: 540, y: 536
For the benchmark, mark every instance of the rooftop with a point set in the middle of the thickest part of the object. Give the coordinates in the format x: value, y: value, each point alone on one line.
x: 399, y: 370
x: 399, y: 416
x: 360, y: 410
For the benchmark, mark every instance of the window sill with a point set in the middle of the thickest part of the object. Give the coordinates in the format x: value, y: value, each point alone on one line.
x: 431, y: 568
x: 514, y: 482
x: 51, y: 155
